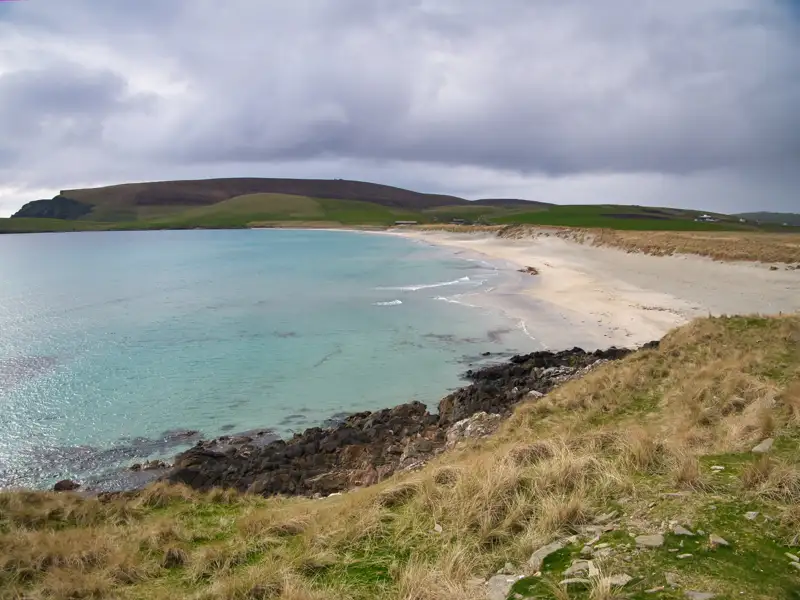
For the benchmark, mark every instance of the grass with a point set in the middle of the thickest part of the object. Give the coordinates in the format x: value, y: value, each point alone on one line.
x: 635, y: 218
x: 626, y: 438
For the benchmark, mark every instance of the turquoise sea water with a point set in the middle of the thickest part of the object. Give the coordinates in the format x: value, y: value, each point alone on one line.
x: 109, y: 340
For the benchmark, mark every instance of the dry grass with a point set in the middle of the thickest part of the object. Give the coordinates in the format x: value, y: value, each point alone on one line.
x: 724, y: 246
x: 627, y: 430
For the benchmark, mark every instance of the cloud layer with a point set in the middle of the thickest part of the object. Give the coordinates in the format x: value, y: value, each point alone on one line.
x: 681, y: 103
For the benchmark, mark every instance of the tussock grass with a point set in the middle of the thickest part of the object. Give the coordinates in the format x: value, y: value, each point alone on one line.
x: 616, y: 440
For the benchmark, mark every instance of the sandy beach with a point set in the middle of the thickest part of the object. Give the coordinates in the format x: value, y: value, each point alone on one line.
x: 596, y: 297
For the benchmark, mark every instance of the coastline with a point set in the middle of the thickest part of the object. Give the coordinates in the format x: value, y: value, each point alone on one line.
x: 608, y: 297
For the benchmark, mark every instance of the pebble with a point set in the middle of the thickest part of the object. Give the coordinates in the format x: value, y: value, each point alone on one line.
x: 655, y: 590
x: 606, y: 517
x: 620, y: 580
x: 764, y: 446
x: 671, y: 579
x: 499, y: 586
x: 716, y: 540
x: 751, y: 516
x: 587, y: 551
x: 601, y: 546
x: 437, y: 528
x: 537, y: 558
x: 678, y: 530
x: 650, y: 541
x: 682, y: 556
x: 717, y: 468
x: 796, y: 565
x: 578, y: 567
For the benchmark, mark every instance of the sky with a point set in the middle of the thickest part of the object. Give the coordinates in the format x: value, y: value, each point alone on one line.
x: 680, y: 103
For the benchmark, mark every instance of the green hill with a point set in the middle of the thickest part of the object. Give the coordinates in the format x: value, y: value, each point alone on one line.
x: 248, y: 202
x: 791, y: 219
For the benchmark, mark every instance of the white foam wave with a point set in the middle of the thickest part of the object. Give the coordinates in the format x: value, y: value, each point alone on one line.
x: 454, y: 300
x: 390, y: 303
x: 416, y: 288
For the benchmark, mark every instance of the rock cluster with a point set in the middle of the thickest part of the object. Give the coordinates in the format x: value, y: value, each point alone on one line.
x: 367, y: 447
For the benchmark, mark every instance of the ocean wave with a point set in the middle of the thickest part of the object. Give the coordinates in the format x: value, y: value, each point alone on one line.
x: 454, y: 300
x: 416, y: 288
x: 390, y: 303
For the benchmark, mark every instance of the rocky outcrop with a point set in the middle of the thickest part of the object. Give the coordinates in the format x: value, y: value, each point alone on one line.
x: 59, y: 207
x: 498, y: 388
x: 66, y: 485
x: 367, y: 447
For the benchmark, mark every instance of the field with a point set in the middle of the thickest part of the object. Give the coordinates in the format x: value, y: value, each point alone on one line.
x: 658, y: 440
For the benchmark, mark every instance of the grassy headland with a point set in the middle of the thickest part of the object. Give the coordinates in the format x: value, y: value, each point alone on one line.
x: 241, y: 202
x: 660, y: 439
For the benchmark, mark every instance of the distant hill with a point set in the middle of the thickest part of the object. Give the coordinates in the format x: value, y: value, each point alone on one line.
x: 771, y: 217
x: 135, y: 201
x: 512, y: 203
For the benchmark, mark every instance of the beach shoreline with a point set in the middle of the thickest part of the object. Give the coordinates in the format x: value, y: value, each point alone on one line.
x: 598, y: 296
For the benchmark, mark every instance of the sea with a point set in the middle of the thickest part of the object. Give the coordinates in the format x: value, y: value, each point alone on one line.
x: 117, y: 347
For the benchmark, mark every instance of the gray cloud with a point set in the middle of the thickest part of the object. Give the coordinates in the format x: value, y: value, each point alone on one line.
x: 677, y: 103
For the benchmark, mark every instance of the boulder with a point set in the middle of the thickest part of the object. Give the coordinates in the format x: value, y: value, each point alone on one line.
x: 66, y: 485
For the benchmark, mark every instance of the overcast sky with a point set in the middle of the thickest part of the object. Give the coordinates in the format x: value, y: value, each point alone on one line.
x: 692, y: 103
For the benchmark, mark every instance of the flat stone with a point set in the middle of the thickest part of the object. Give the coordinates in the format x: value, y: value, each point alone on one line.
x: 577, y: 568
x: 587, y: 551
x: 499, y: 587
x: 604, y: 552
x: 537, y: 558
x: 606, y: 517
x: 796, y: 565
x: 534, y: 395
x: 682, y: 556
x: 751, y: 516
x: 717, y: 468
x: 764, y: 446
x: 655, y: 590
x: 601, y: 546
x: 574, y: 581
x: 672, y: 579
x: 437, y: 528
x: 699, y: 595
x: 678, y: 530
x: 620, y: 580
x: 716, y: 540
x: 791, y: 557
x: 650, y: 541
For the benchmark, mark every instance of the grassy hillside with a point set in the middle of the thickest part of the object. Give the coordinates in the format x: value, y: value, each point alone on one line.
x: 658, y: 440
x: 621, y: 217
x: 34, y: 225
x: 770, y: 217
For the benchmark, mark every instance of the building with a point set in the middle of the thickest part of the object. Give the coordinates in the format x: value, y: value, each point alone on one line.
x: 706, y: 219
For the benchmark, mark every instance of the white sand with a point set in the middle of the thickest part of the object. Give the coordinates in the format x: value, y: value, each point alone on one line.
x: 596, y: 297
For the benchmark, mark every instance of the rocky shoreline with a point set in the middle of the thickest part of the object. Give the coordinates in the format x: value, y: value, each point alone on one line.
x: 366, y: 447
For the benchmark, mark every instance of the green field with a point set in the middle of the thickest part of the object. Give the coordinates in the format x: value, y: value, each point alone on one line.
x: 268, y: 209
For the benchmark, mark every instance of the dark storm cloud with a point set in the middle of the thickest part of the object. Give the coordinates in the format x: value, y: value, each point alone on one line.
x: 465, y: 95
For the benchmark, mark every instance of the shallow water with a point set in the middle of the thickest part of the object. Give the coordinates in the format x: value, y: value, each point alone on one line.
x: 108, y: 340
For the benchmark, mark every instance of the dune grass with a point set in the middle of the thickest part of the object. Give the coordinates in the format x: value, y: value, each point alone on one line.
x: 637, y: 437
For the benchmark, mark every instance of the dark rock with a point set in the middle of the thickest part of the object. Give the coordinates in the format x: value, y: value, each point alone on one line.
x: 366, y: 447
x: 66, y: 485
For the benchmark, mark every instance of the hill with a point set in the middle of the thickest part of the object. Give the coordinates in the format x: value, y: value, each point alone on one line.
x: 771, y: 217
x: 671, y: 473
x: 135, y: 201
x: 248, y: 202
